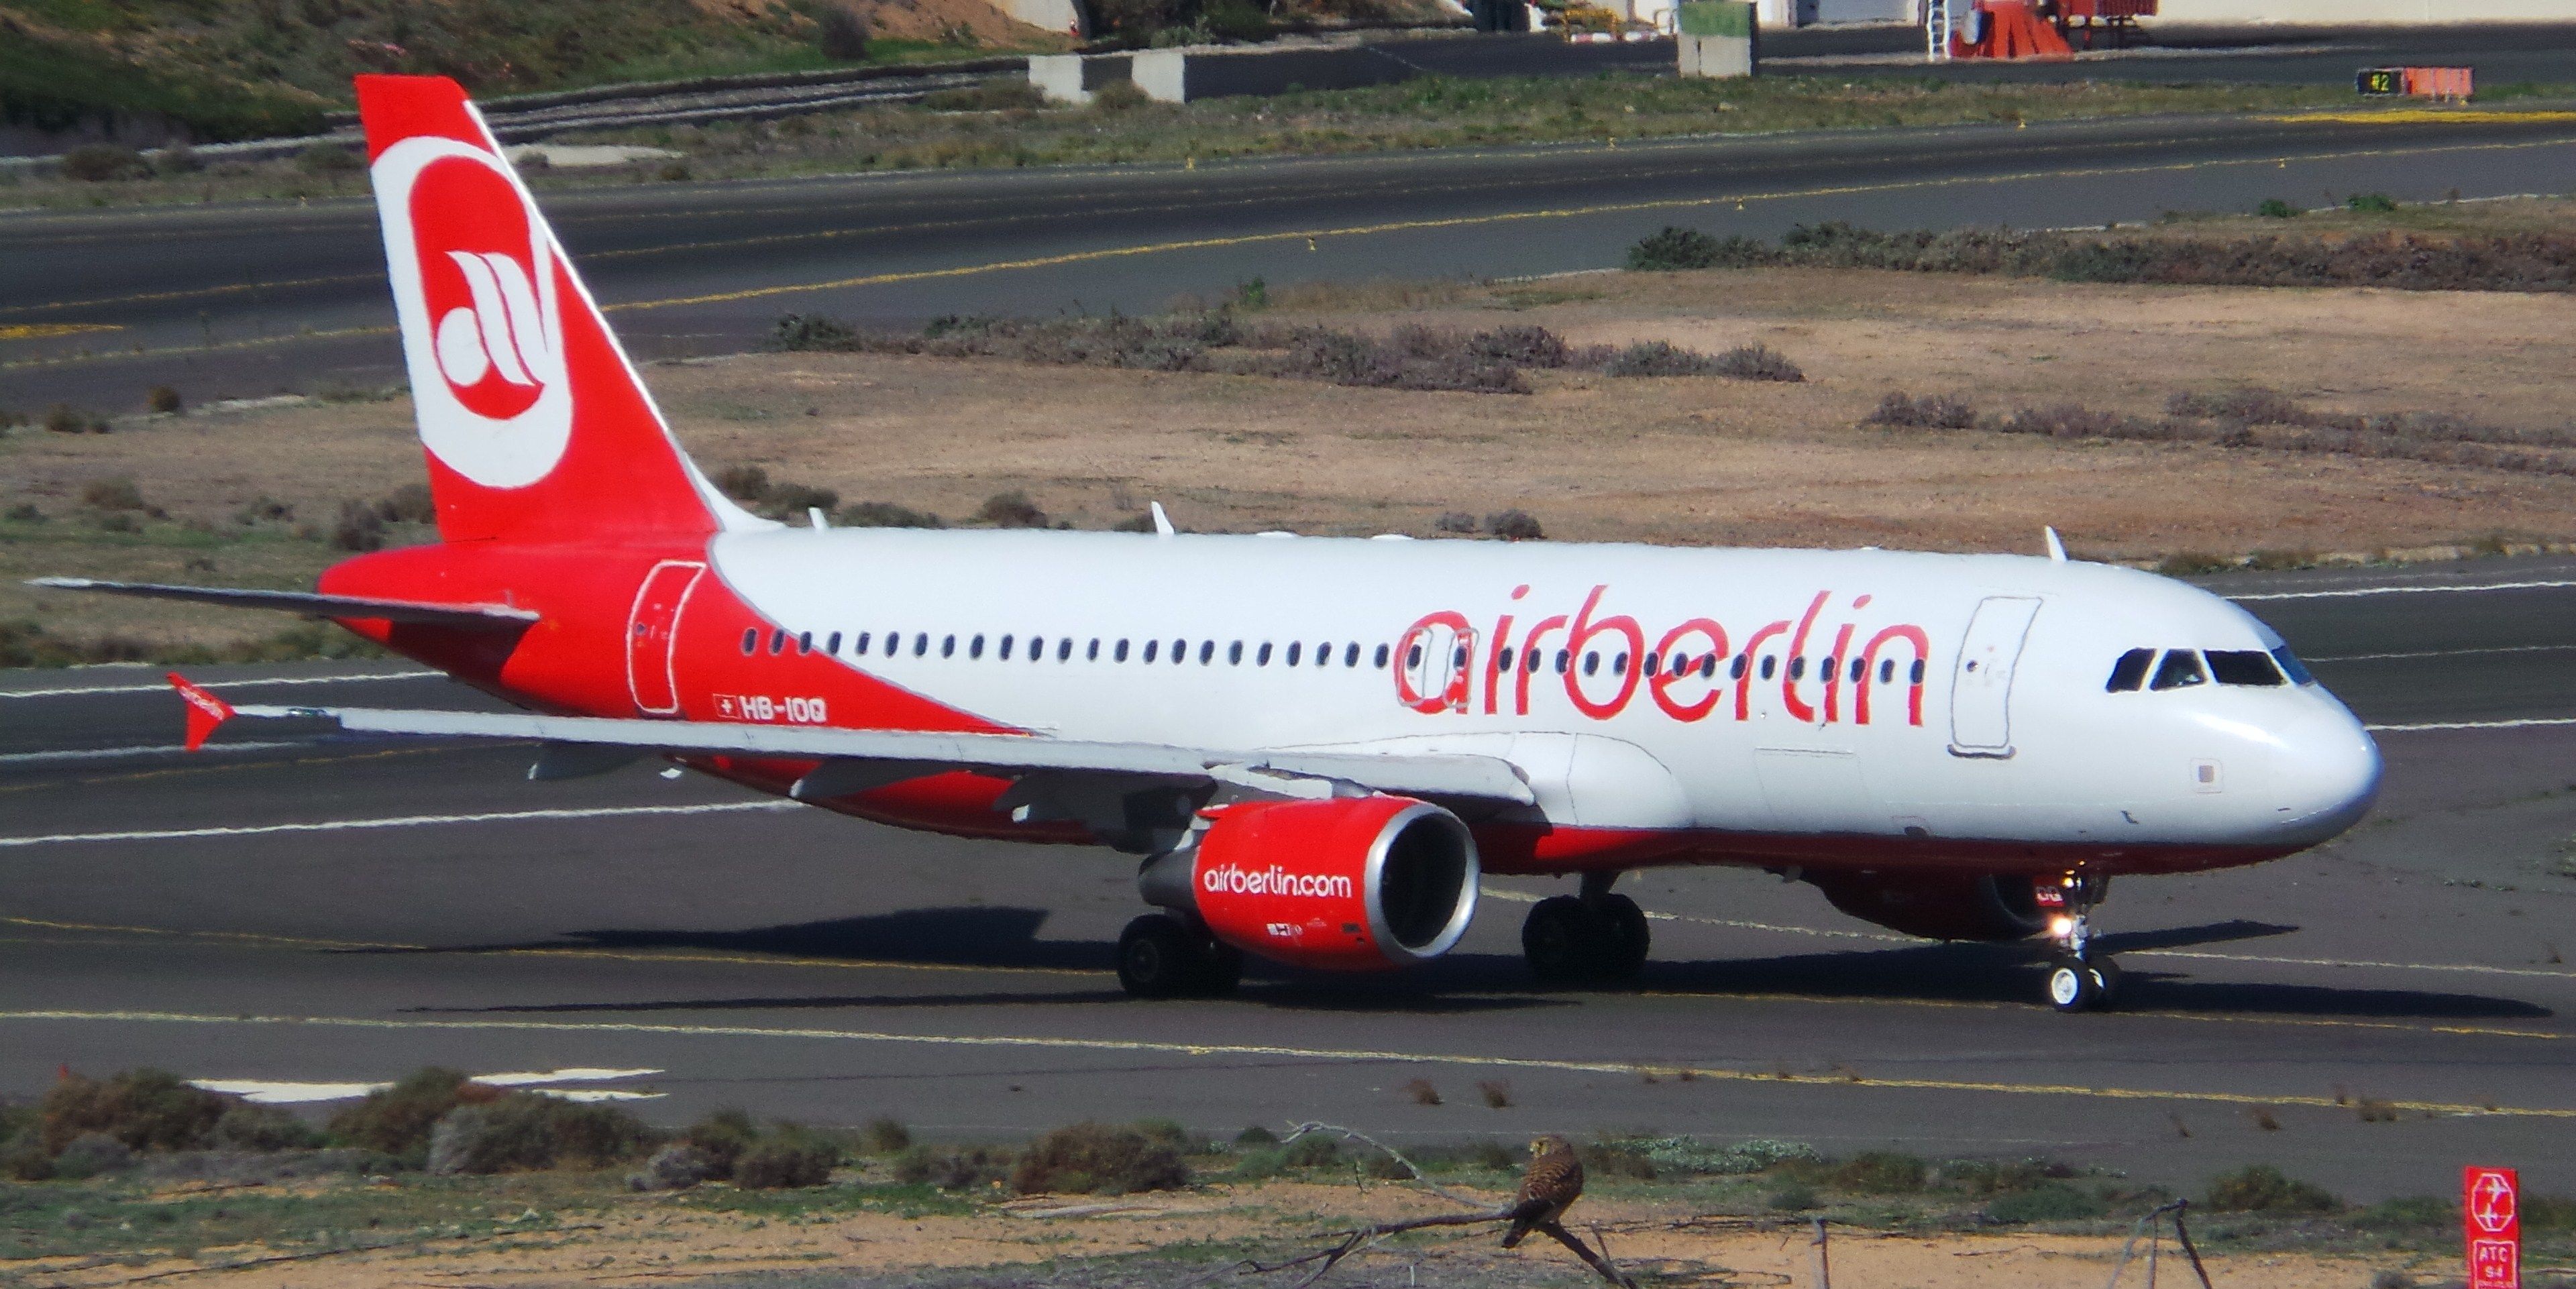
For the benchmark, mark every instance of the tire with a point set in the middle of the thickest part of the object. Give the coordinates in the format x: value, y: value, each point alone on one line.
x: 1622, y: 939
x: 2072, y: 988
x: 2106, y: 981
x: 1159, y: 958
x: 1220, y: 970
x: 1558, y: 940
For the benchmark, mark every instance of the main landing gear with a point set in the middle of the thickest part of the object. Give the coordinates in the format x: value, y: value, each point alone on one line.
x: 2079, y: 979
x: 1593, y: 938
x: 1160, y: 956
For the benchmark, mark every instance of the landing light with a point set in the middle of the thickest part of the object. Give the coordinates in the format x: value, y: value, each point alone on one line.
x: 2061, y: 926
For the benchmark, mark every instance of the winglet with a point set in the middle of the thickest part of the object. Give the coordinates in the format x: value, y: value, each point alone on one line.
x: 1162, y: 522
x: 205, y: 711
x: 2056, y: 547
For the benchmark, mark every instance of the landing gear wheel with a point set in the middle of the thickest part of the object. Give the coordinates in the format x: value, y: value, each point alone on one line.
x: 2106, y: 980
x: 1158, y: 957
x: 2073, y: 986
x: 1620, y: 951
x: 1220, y: 970
x: 1557, y: 939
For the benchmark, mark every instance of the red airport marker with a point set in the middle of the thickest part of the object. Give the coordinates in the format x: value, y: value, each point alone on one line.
x: 2491, y: 1211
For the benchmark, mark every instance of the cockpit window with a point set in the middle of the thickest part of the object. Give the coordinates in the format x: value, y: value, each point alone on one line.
x: 2180, y: 670
x: 2290, y: 664
x: 2130, y: 671
x: 2244, y: 667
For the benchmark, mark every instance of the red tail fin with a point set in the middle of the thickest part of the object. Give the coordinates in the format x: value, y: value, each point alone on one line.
x: 536, y: 425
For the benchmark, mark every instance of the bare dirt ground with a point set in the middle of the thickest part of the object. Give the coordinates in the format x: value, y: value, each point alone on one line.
x: 1199, y: 1236
x: 1681, y: 460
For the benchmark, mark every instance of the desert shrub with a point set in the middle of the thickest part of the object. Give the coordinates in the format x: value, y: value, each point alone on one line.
x: 1674, y: 248
x: 1420, y: 1092
x: 408, y: 504
x: 1497, y: 1093
x: 787, y: 1157
x: 721, y: 1136
x: 1662, y: 358
x: 1385, y: 1167
x: 2253, y: 405
x: 1118, y: 96
x: 2371, y: 203
x: 1259, y: 1165
x: 1514, y: 525
x: 119, y: 493
x: 1521, y: 346
x: 263, y: 509
x: 397, y: 1120
x: 2261, y: 1188
x: 1455, y: 521
x: 673, y: 172
x: 91, y: 1154
x: 162, y: 399
x: 63, y: 418
x: 177, y: 159
x: 885, y: 1137
x: 1930, y: 412
x: 841, y: 34
x: 801, y: 331
x: 885, y: 514
x: 748, y: 484
x: 953, y: 1169
x: 2054, y: 1202
x: 1790, y: 1197
x: 1692, y: 1155
x: 1984, y: 1177
x: 2275, y: 208
x: 1313, y: 1151
x: 787, y: 500
x: 328, y: 159
x: 144, y: 1109
x: 25, y: 512
x: 2075, y: 421
x: 2548, y: 1213
x: 1256, y: 1135
x: 23, y: 1157
x: 1616, y: 1159
x: 675, y: 1167
x: 523, y: 1131
x: 357, y: 528
x: 1097, y: 1157
x: 1140, y: 522
x: 1011, y: 509
x: 1755, y: 362
x: 252, y: 1126
x: 102, y: 162
x: 1882, y: 1172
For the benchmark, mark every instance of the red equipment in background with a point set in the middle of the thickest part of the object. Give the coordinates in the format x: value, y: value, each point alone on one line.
x: 2040, y: 28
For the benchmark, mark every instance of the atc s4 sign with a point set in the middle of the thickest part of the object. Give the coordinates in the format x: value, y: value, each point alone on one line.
x: 2491, y: 1212
x: 474, y: 276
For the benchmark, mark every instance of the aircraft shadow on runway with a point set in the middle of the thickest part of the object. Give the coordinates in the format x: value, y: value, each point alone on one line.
x: 957, y: 936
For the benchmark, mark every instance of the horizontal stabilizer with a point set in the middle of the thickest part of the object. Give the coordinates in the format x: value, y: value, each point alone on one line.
x: 485, y: 617
x: 917, y: 753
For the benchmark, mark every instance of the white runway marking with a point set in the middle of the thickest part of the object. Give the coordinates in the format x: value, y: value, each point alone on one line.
x: 402, y: 821
x: 1623, y: 1069
x: 2534, y: 722
x: 2425, y: 589
x: 532, y: 1078
x: 283, y: 1092
x: 290, y: 1092
x: 163, y: 749
x: 163, y: 686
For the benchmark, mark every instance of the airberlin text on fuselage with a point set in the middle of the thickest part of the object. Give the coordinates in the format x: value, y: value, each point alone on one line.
x: 1274, y: 880
x: 1829, y: 664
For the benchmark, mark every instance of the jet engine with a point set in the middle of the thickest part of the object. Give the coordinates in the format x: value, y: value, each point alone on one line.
x: 1350, y: 884
x: 1939, y: 906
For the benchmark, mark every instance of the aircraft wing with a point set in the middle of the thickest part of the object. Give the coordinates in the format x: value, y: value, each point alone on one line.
x: 487, y: 617
x: 855, y: 760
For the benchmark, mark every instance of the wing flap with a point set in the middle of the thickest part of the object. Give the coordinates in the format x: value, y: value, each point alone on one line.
x: 1450, y: 775
x: 483, y: 617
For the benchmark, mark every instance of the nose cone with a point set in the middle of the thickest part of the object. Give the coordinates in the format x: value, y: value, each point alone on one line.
x: 2326, y: 773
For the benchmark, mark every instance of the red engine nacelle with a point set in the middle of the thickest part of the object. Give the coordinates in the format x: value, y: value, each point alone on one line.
x: 1939, y: 906
x: 1351, y: 884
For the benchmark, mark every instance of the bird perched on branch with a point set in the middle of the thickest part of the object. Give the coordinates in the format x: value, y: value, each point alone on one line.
x: 1549, y: 1186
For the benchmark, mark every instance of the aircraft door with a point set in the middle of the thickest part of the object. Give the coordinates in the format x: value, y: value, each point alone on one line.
x: 653, y: 632
x: 1981, y: 684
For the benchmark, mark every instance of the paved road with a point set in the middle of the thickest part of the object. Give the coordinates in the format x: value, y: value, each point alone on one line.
x: 320, y: 909
x: 251, y: 300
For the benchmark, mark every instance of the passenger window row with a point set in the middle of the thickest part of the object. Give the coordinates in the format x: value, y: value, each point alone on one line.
x: 1705, y: 665
x: 1037, y: 648
x: 2185, y: 668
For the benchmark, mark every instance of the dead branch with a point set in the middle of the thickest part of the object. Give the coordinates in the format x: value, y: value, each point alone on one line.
x: 1391, y: 1152
x: 1323, y: 1260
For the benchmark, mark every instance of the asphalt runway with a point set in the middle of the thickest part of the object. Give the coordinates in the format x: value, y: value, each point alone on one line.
x: 296, y: 907
x: 251, y: 300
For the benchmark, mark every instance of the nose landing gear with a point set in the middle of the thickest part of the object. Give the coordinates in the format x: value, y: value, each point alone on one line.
x: 1593, y: 938
x: 2079, y: 979
x: 1160, y: 956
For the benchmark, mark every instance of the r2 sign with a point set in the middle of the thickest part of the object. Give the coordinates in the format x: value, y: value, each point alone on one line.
x: 2491, y: 1213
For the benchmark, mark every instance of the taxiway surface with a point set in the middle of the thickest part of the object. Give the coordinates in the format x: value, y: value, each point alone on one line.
x: 249, y: 300
x: 298, y: 907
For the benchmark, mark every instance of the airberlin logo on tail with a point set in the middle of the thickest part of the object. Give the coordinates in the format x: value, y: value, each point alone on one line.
x: 475, y: 287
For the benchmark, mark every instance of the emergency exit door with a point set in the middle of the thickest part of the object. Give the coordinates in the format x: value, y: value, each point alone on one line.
x: 653, y: 632
x: 1981, y: 686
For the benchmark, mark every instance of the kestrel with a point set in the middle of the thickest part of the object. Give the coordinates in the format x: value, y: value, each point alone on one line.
x: 1551, y: 1184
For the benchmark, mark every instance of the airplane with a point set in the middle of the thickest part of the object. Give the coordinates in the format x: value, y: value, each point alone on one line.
x: 1315, y: 747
